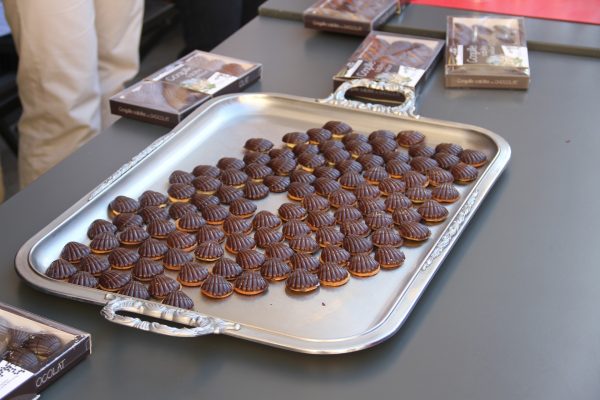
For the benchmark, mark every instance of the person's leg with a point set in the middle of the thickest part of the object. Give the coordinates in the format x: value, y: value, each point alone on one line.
x: 118, y: 27
x: 57, y: 80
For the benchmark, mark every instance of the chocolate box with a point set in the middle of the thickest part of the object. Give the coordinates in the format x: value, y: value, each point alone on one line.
x: 356, y: 17
x: 35, y: 351
x: 170, y: 94
x: 486, y: 52
x: 403, y: 59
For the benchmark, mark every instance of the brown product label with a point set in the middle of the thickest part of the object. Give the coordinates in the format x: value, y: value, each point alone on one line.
x: 489, y: 82
x: 384, y: 71
x: 473, y: 54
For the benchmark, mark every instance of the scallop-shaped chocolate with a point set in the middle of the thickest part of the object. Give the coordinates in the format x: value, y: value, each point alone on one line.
x: 309, y: 162
x: 363, y: 265
x: 327, y: 172
x: 326, y: 186
x: 292, y: 229
x: 100, y: 225
x: 329, y: 236
x: 446, y: 160
x: 279, y: 250
x: 124, y: 204
x: 209, y: 251
x: 299, y: 190
x: 83, y: 278
x: 397, y: 168
x: 174, y: 259
x: 414, y: 231
x: 349, y: 166
x: 266, y: 236
x: 206, y: 184
x: 449, y: 148
x: 302, y: 281
x: 409, y: 138
x: 250, y: 259
x: 153, y: 198
x: 390, y: 186
x: 135, y: 289
x: 375, y: 175
x: 341, y: 197
x: 215, y: 214
x: 318, y: 135
x: 383, y: 146
x: 475, y: 158
x: 266, y: 219
x: 113, y: 280
x: 355, y: 228
x: 233, y: 177
x: 403, y: 215
x: 239, y: 241
x: 369, y: 161
x: 423, y: 164
x: 200, y: 201
x: 208, y: 170
x: 421, y: 150
x: 17, y: 337
x: 381, y: 134
x: 291, y: 211
x: 179, y: 299
x: 338, y: 129
x: 230, y: 162
x: 358, y: 245
x: 378, y: 219
x: 445, y: 193
x: 432, y: 211
x: 256, y: 190
x: 124, y: 220
x: 179, y: 176
x: 190, y: 222
x: 277, y: 184
x: 145, y: 269
x: 192, y: 274
x: 358, y: 148
x: 227, y: 268
x: 291, y: 139
x: 43, y: 344
x: 305, y: 261
x: 350, y: 180
x: 366, y: 191
x: 283, y: 166
x: 464, y: 173
x: 160, y: 286
x: 319, y: 219
x: 73, y: 252
x: 367, y: 206
x: 414, y: 178
x: 153, y: 249
x: 438, y: 176
x: 181, y: 240
x: 331, y: 274
x: 314, y: 202
x: 303, y: 176
x: 389, y: 257
x: 94, y: 264
x: 258, y: 144
x: 209, y: 233
x: 275, y: 269
x: 334, y: 156
x: 216, y: 287
x: 397, y: 200
x: 104, y: 242
x: 347, y: 213
x: 302, y: 148
x: 178, y: 210
x: 160, y: 228
x: 235, y: 224
x: 133, y: 236
x: 354, y: 137
x: 122, y: 258
x: 227, y: 194
x: 180, y: 192
x: 242, y: 208
x: 386, y: 237
x: 304, y: 244
x: 282, y: 152
x: 396, y: 155
x: 418, y: 194
x: 257, y: 172
x: 23, y: 358
x: 334, y: 254
x: 151, y: 213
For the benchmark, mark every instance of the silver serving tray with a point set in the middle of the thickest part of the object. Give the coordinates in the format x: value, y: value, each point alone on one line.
x: 358, y: 315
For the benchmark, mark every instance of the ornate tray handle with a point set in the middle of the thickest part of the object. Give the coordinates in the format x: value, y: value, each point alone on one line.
x: 407, y: 108
x: 201, y: 324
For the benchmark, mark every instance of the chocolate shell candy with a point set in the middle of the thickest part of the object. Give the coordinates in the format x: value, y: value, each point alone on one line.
x: 409, y: 138
x: 209, y: 251
x: 449, y: 148
x: 304, y: 244
x: 298, y: 190
x: 277, y: 184
x: 396, y: 201
x: 179, y: 299
x: 258, y: 144
x: 179, y: 176
x: 227, y: 194
x: 209, y: 233
x: 181, y: 240
x: 475, y: 158
x: 291, y: 139
x: 325, y: 186
x: 151, y: 213
x: 333, y: 254
x: 366, y: 191
x: 318, y: 135
x: 227, y: 268
x: 94, y: 264
x: 367, y: 206
x: 397, y: 168
x: 314, y: 202
x: 386, y: 237
x: 291, y: 211
x: 113, y: 280
x: 347, y: 213
x: 396, y: 156
x: 275, y: 269
x: 216, y: 287
x: 215, y: 214
x: 349, y: 166
x: 192, y: 274
x: 294, y: 228
x: 432, y: 211
x: 145, y: 269
x: 266, y: 236
x: 256, y: 191
x: 43, y: 344
x: 100, y: 225
x: 403, y: 215
x: 254, y: 157
x: 370, y: 161
x: 235, y: 224
x: 303, y: 176
x: 200, y: 201
x: 73, y: 252
x: 83, y: 278
x: 338, y: 129
x: 160, y: 228
x: 414, y: 231
x: 174, y: 259
x: 381, y: 134
x: 242, y: 208
x: 415, y: 179
x: 266, y: 219
x: 302, y: 281
x: 135, y: 289
x: 390, y: 186
x: 358, y: 148
x: 378, y: 219
x: 363, y: 265
x: 418, y: 194
x: 464, y: 173
x: 327, y: 172
x: 383, y: 146
x: 350, y: 180
x: 250, y: 259
x: 178, y: 210
x: 122, y: 258
x: 357, y: 245
x: 104, y: 242
x: 190, y: 222
x: 233, y: 177
x: 133, y: 236
x: 309, y: 162
x: 423, y: 164
x: 446, y: 160
x: 445, y: 193
x: 341, y: 197
x: 208, y: 170
x: 421, y: 150
x: 250, y: 283
x: 305, y: 261
x: 375, y: 175
x: 331, y: 274
x: 124, y: 220
x: 230, y: 162
x: 389, y: 257
x: 152, y: 198
x: 153, y: 249
x: 206, y: 184
x: 23, y: 358
x: 17, y: 337
x: 329, y: 236
x: 180, y: 192
x: 352, y: 137
x: 283, y: 166
x: 279, y: 250
x: 161, y: 285
x: 319, y: 219
x: 355, y: 228
x: 257, y: 172
x: 438, y: 176
x: 61, y: 269
x: 124, y: 204
x: 283, y: 152
x: 334, y: 156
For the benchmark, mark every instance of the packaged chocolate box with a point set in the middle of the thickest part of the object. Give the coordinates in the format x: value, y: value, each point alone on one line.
x: 356, y: 17
x: 486, y: 52
x: 407, y: 60
x: 172, y: 93
x: 35, y: 351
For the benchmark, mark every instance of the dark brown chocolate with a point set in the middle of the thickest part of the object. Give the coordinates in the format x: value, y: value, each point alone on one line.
x: 73, y: 252
x: 135, y: 289
x: 250, y: 283
x: 145, y: 269
x: 153, y: 249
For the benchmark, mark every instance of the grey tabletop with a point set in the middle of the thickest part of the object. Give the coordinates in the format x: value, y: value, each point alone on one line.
x: 511, y: 314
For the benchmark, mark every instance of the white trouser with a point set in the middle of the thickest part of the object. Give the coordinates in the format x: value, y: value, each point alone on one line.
x: 73, y: 55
